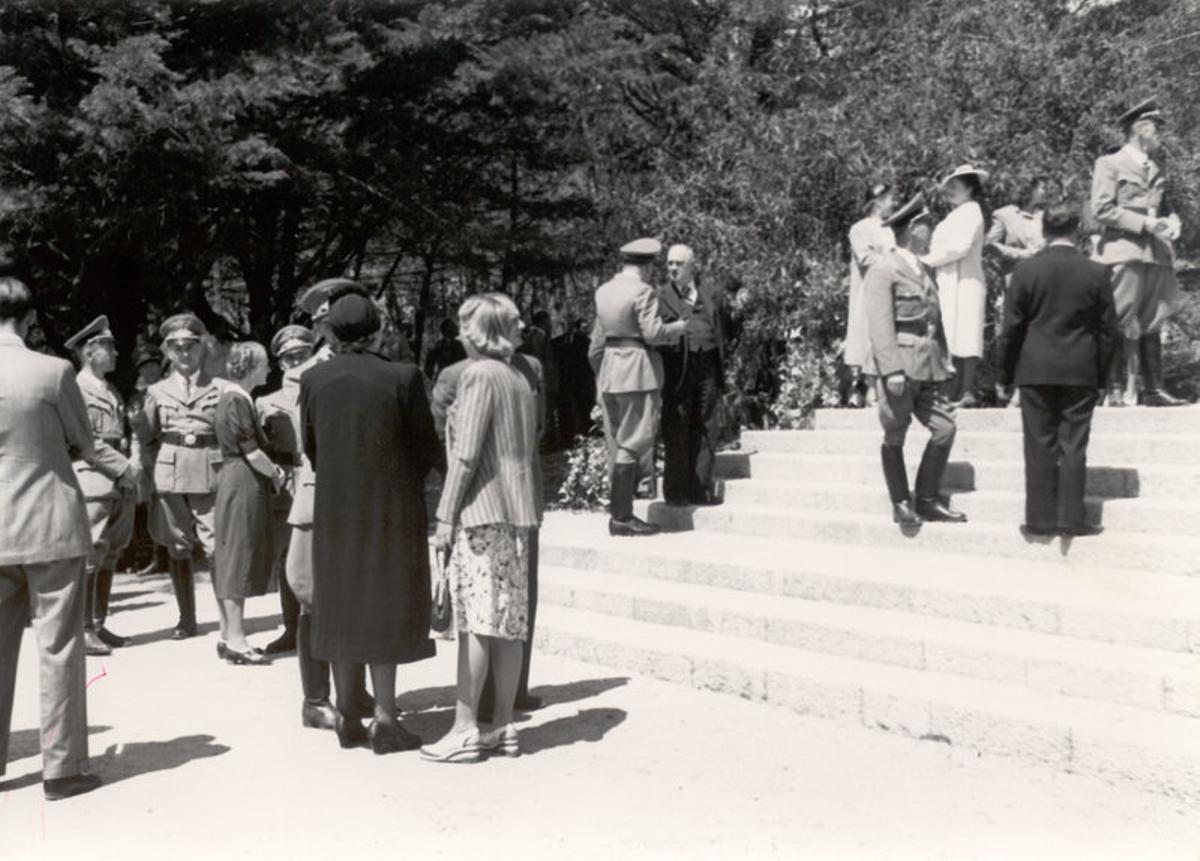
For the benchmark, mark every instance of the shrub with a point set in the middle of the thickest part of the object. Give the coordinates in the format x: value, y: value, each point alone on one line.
x: 585, y: 485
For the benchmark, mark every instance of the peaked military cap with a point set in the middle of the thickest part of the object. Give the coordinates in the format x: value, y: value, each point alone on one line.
x: 290, y: 338
x: 641, y: 250
x: 97, y: 330
x: 912, y: 211
x: 315, y: 300
x: 145, y: 356
x: 1147, y: 110
x: 186, y: 325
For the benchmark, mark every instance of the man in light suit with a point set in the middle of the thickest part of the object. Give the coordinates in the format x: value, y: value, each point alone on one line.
x: 629, y: 374
x: 110, y: 491
x: 44, y: 542
x: 907, y: 350
x: 1136, y: 244
x: 694, y: 375
x: 1060, y: 330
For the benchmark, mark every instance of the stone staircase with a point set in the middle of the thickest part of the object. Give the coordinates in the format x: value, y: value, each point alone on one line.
x: 1081, y: 654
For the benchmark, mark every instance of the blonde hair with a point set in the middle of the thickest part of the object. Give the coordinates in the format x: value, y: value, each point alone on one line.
x: 244, y: 358
x: 491, y: 323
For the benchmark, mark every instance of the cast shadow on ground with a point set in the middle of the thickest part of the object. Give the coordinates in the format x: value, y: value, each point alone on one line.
x: 28, y: 742
x: 589, y: 725
x: 256, y: 625
x: 145, y: 757
x: 114, y: 609
x: 119, y: 595
x: 427, y: 699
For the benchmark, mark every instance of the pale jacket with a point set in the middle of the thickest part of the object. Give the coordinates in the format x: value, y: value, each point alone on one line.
x: 43, y: 424
x: 869, y: 241
x: 627, y: 308
x: 956, y: 256
x: 1127, y: 190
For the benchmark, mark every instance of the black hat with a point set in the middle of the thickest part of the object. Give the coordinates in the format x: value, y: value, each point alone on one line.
x: 353, y: 317
x: 912, y: 211
x: 146, y: 355
x: 1147, y: 110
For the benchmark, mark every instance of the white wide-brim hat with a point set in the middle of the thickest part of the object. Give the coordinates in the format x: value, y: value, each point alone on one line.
x: 966, y: 170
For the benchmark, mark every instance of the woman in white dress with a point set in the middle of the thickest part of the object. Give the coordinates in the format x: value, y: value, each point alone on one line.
x: 956, y: 256
x: 868, y: 240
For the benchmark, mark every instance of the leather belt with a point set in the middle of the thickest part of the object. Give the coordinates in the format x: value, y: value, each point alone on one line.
x: 914, y: 327
x: 190, y: 440
x: 624, y: 342
x: 114, y: 441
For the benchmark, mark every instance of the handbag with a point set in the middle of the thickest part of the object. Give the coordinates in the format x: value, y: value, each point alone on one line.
x: 441, y: 612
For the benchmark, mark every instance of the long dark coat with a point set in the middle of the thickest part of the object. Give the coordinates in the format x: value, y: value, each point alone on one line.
x: 368, y: 431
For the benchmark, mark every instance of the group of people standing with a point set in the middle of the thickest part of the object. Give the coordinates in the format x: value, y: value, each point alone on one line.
x: 1073, y: 329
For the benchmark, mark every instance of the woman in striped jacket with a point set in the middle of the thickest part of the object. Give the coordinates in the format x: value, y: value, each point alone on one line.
x: 488, y: 505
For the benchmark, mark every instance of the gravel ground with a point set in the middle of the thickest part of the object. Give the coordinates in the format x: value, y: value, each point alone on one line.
x: 206, y: 760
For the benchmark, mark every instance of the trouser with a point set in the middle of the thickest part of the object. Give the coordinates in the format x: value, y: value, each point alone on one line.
x: 1057, y: 422
x: 489, y: 690
x: 289, y: 606
x: 111, y: 519
x: 690, y: 422
x: 180, y: 521
x: 54, y: 591
x: 1144, y: 295
x: 925, y: 399
x: 630, y: 424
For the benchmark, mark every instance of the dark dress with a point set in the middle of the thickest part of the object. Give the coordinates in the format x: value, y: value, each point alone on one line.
x: 242, y: 514
x: 367, y: 429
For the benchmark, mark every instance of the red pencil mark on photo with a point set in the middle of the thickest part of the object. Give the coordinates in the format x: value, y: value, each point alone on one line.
x: 103, y: 673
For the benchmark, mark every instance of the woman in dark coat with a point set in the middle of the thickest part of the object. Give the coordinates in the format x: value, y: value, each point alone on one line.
x: 242, y: 511
x: 368, y: 431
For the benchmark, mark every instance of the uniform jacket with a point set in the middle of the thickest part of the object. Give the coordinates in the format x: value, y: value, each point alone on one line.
x: 1126, y: 191
x: 904, y: 321
x: 167, y: 409
x: 445, y: 393
x: 627, y: 307
x: 43, y: 424
x: 106, y: 414
x: 1060, y: 326
x: 491, y: 449
x: 1013, y: 235
x: 304, y: 485
x: 277, y: 416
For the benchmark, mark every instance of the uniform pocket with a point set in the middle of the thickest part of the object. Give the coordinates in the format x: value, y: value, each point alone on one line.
x: 164, y: 470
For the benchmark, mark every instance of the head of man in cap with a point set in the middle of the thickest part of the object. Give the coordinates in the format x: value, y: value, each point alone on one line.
x: 96, y: 347
x: 1143, y: 124
x: 639, y: 257
x: 912, y: 225
x: 963, y: 184
x: 183, y: 342
x: 292, y: 346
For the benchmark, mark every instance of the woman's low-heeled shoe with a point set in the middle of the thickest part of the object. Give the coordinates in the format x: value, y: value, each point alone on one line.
x: 320, y: 715
x: 350, y: 731
x: 455, y: 747
x: 391, y: 738
x: 222, y: 649
x: 501, y: 741
x: 250, y: 657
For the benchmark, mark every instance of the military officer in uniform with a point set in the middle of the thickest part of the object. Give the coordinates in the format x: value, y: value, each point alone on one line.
x: 1136, y: 244
x: 292, y: 346
x: 629, y: 373
x: 109, y: 482
x: 179, y: 439
x: 907, y: 350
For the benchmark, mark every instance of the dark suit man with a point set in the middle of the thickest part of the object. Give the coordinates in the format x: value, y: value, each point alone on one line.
x: 1060, y: 333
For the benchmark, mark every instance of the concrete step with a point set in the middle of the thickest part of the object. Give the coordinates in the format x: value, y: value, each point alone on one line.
x: 1129, y: 450
x: 1153, y: 480
x: 1177, y: 420
x: 1061, y: 597
x: 1173, y: 555
x: 1162, y: 516
x: 1153, y: 751
x: 1134, y: 676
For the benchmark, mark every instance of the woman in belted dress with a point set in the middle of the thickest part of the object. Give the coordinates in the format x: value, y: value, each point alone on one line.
x: 242, y: 514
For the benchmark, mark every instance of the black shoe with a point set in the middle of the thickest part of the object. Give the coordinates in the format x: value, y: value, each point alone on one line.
x: 527, y: 703
x: 350, y: 731
x: 183, y: 631
x: 1040, y: 531
x: 706, y: 498
x: 632, y: 526
x: 222, y: 649
x: 1161, y: 398
x: 284, y: 643
x: 1085, y: 531
x: 902, y: 513
x: 110, y: 639
x: 320, y: 715
x: 250, y: 657
x: 391, y: 738
x: 92, y: 644
x: 676, y: 502
x: 58, y: 788
x: 936, y: 510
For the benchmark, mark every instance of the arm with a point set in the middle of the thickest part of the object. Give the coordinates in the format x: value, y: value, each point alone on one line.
x: 650, y: 322
x: 596, y: 346
x: 1104, y: 201
x: 863, y: 249
x: 1016, y: 322
x: 997, y: 237
x: 72, y: 411
x: 473, y: 422
x: 442, y: 397
x: 881, y: 320
x: 952, y: 239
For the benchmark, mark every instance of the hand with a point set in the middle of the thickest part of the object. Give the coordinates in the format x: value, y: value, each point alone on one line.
x: 444, y: 536
x: 1159, y: 226
x: 692, y: 294
x: 896, y: 384
x: 278, y: 479
x: 1174, y: 227
x: 128, y: 481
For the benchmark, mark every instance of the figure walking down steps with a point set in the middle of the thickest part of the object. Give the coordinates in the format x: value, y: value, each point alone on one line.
x: 908, y: 352
x: 629, y: 373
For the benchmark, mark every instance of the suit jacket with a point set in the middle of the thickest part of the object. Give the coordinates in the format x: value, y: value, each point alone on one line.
x: 43, y: 424
x: 492, y: 445
x: 1060, y: 326
x: 106, y: 414
x: 671, y: 306
x: 170, y: 408
x: 627, y: 307
x: 1125, y: 193
x: 904, y: 321
x: 445, y: 393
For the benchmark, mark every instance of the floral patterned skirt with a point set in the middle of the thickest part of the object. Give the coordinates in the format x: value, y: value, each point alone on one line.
x: 489, y: 576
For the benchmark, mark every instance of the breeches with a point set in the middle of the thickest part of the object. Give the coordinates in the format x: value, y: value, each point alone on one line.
x: 54, y: 591
x: 1145, y: 295
x: 179, y: 521
x: 111, y: 519
x: 922, y: 398
x: 630, y: 423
